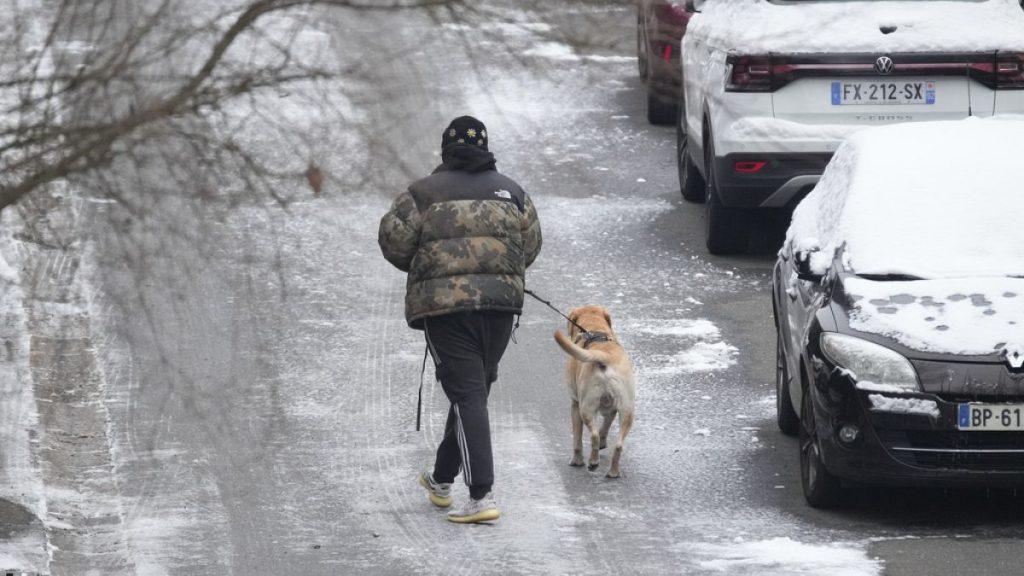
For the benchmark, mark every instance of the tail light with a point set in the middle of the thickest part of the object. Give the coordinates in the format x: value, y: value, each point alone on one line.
x: 749, y: 74
x: 1004, y: 72
x: 767, y: 73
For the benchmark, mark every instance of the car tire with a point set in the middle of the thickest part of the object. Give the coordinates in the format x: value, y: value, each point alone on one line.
x: 821, y: 488
x: 691, y: 183
x: 785, y: 415
x: 725, y: 231
x: 641, y: 46
x: 660, y: 112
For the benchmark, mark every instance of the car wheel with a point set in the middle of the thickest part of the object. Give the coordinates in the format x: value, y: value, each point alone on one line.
x: 821, y: 488
x: 641, y: 45
x: 691, y: 183
x: 660, y: 112
x: 724, y: 227
x: 789, y: 422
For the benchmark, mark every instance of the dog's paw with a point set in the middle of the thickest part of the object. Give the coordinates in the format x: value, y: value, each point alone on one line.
x: 576, y: 463
x: 591, y: 467
x: 604, y: 443
x: 611, y: 474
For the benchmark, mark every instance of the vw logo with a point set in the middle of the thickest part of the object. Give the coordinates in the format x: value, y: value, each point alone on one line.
x: 884, y: 65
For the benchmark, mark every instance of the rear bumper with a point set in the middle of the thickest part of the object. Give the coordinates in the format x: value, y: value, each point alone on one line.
x: 796, y: 154
x: 783, y: 181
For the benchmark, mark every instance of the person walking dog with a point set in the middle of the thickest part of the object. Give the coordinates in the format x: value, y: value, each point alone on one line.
x: 465, y: 235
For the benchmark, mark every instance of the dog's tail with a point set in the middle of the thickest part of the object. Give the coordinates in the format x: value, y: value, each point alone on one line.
x: 581, y: 354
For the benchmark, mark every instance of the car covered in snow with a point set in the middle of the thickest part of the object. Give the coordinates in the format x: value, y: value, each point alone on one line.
x: 660, y: 25
x: 771, y: 88
x: 899, y: 309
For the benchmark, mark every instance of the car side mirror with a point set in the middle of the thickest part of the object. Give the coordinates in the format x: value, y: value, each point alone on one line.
x: 803, y: 267
x: 694, y: 6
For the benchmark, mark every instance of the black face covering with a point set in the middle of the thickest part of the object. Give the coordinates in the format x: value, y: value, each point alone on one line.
x: 467, y: 158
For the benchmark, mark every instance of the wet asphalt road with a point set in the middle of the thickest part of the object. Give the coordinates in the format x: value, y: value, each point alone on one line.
x: 255, y: 382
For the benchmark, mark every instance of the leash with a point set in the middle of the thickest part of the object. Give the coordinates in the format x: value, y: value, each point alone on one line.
x: 543, y: 301
x: 588, y: 336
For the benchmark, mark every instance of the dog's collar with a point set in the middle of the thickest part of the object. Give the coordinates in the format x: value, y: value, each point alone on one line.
x: 591, y: 337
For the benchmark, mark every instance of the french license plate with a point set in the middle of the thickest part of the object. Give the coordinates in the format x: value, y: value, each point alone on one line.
x: 990, y: 417
x: 860, y: 93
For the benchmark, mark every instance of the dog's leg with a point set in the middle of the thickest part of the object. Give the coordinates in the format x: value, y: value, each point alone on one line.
x: 605, y: 426
x: 595, y: 440
x: 625, y: 423
x: 577, y: 435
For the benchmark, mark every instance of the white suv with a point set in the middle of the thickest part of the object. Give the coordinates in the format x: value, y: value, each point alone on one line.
x: 771, y: 88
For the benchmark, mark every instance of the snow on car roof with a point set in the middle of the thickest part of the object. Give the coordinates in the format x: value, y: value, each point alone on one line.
x: 934, y: 200
x: 802, y: 26
x: 927, y: 199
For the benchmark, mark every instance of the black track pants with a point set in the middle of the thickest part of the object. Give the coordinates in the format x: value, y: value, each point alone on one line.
x: 466, y: 348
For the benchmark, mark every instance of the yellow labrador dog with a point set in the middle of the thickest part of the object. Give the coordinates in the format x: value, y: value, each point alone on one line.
x: 600, y: 379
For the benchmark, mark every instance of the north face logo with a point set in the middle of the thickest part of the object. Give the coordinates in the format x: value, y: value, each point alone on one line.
x: 503, y: 194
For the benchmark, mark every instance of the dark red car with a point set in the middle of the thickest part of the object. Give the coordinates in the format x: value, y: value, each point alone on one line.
x: 660, y: 25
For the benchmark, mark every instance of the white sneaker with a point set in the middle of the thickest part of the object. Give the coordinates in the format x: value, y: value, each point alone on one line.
x: 440, y: 494
x: 473, y: 511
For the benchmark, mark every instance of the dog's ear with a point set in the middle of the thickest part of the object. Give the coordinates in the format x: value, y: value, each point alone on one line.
x: 607, y: 317
x: 571, y: 326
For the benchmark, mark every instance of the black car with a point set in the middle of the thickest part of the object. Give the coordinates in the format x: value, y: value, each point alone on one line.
x: 899, y: 310
x: 660, y: 25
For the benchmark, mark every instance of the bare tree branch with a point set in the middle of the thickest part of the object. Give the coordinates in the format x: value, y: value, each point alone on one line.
x: 73, y: 113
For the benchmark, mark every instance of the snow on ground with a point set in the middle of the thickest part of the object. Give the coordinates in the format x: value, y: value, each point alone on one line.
x: 21, y: 553
x: 565, y: 52
x: 523, y: 28
x: 701, y: 357
x: 595, y: 229
x: 822, y: 27
x: 698, y: 341
x: 787, y: 557
x: 23, y: 547
x: 20, y: 481
x: 701, y: 348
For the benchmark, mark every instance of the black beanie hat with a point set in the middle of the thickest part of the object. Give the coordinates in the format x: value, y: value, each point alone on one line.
x: 465, y: 130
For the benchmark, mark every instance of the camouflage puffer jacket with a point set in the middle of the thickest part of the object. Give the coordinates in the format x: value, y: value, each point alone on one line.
x: 465, y: 239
